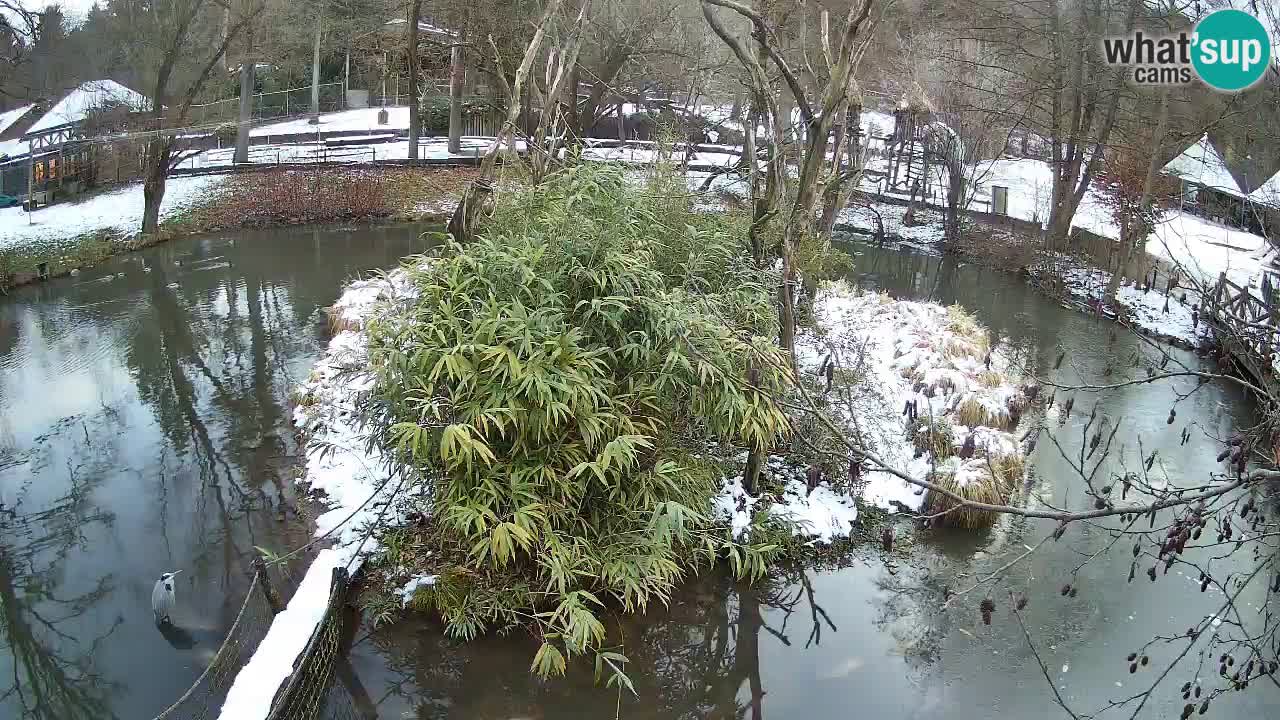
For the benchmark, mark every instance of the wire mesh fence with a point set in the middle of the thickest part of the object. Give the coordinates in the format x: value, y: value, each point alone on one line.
x: 271, y: 105
x: 304, y: 695
x: 322, y: 684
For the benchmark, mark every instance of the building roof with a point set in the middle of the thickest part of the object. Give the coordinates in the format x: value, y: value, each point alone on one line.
x: 1202, y: 164
x: 1268, y: 193
x: 9, y: 117
x: 76, y: 105
x: 424, y: 27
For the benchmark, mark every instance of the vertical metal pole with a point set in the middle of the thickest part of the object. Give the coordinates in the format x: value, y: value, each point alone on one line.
x: 31, y: 181
x: 346, y: 78
x: 315, y: 76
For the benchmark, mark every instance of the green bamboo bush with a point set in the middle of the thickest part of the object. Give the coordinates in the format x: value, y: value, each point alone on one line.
x: 561, y: 383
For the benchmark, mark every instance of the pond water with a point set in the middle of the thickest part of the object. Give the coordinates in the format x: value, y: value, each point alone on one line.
x: 871, y: 639
x: 144, y: 428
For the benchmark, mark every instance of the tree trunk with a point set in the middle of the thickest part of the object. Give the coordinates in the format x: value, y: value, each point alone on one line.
x: 457, y: 82
x: 955, y: 197
x: 415, y: 102
x: 1131, y: 247
x: 477, y: 200
x: 315, y: 75
x: 602, y: 81
x: 159, y: 151
x: 246, y: 110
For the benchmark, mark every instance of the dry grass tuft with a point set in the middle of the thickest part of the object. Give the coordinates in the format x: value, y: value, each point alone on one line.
x: 960, y: 322
x: 972, y: 413
x: 990, y: 379
x: 933, y: 435
x: 991, y: 488
x: 338, y: 323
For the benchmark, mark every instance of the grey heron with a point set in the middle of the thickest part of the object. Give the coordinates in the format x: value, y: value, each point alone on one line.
x: 162, y: 598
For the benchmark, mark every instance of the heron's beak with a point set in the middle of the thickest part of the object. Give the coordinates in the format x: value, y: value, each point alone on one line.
x: 175, y: 572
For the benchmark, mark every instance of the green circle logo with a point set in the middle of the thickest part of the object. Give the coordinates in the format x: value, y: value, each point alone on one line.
x: 1231, y: 50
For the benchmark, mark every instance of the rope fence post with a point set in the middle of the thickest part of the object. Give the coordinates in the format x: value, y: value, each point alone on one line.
x: 268, y: 590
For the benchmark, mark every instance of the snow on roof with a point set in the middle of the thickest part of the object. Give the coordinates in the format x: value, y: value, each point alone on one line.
x: 10, y: 117
x: 77, y: 104
x: 10, y: 149
x: 425, y: 27
x: 1201, y: 164
x: 1268, y: 193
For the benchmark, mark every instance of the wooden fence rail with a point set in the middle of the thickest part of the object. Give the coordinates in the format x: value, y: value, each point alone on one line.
x: 1247, y: 322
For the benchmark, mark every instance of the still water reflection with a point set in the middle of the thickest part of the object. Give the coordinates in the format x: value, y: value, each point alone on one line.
x: 144, y: 428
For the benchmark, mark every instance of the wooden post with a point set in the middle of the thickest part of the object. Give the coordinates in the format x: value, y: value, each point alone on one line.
x: 268, y: 590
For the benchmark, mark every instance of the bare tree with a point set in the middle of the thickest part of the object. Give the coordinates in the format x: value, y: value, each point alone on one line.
x: 180, y: 44
x: 19, y: 29
x: 560, y: 66
x: 817, y: 121
x: 477, y: 200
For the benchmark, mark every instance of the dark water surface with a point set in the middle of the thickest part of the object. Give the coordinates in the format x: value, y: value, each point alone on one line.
x: 144, y: 428
x: 870, y: 640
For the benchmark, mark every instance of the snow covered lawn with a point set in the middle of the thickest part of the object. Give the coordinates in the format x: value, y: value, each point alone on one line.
x: 303, y: 153
x: 1206, y: 249
x: 365, y: 119
x: 55, y: 228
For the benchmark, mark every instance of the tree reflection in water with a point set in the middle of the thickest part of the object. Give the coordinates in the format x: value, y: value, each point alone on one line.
x: 52, y: 675
x: 700, y: 658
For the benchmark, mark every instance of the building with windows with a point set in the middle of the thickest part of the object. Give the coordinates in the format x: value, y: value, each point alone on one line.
x: 47, y: 150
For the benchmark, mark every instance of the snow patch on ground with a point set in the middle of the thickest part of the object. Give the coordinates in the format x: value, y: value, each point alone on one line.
x: 926, y: 232
x: 355, y: 479
x: 118, y: 211
x: 822, y: 515
x: 363, y: 119
x: 407, y: 591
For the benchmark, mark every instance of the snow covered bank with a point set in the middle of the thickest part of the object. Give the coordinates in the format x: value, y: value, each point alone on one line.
x: 924, y: 386
x: 823, y: 514
x: 53, y: 229
x: 926, y: 389
x: 355, y: 479
x: 1167, y: 317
